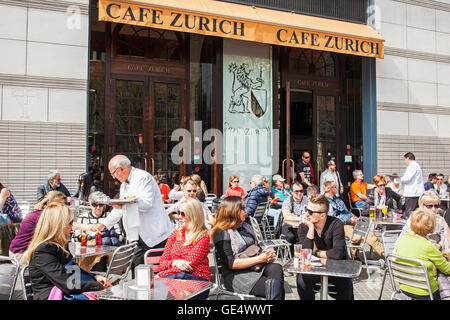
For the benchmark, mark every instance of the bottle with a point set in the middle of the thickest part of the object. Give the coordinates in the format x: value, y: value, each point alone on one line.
x: 98, y: 239
x: 84, y: 239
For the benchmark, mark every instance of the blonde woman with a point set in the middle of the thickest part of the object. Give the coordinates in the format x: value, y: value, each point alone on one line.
x: 48, y: 257
x: 202, y: 190
x: 185, y: 255
x: 22, y: 239
x: 416, y: 246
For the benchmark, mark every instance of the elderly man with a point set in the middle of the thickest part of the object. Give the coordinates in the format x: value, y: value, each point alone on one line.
x: 331, y: 174
x: 149, y: 226
x: 412, y: 184
x: 52, y: 184
x: 358, y: 189
x: 324, y: 235
x: 257, y: 194
x: 190, y: 190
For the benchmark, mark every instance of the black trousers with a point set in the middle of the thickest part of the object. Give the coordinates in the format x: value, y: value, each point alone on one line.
x: 140, y: 252
x: 411, y: 204
x: 271, y: 271
x: 291, y: 234
x: 343, y: 287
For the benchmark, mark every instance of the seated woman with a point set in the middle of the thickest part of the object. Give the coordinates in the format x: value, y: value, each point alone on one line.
x: 429, y: 200
x: 87, y: 221
x: 233, y: 187
x: 186, y: 252
x: 9, y: 205
x: 85, y: 187
x: 415, y: 245
x: 255, y: 275
x: 22, y: 239
x: 381, y: 196
x: 49, y: 258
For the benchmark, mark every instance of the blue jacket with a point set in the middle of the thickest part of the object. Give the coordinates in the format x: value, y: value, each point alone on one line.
x: 254, y: 197
x: 339, y: 210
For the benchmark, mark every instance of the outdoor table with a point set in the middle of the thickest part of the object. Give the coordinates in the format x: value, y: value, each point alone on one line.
x: 163, y: 289
x: 388, y: 221
x: 446, y: 201
x: 328, y: 268
x: 80, y: 252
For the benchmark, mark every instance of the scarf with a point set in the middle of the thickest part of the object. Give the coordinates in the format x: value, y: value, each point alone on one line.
x: 380, y: 201
x: 237, y: 242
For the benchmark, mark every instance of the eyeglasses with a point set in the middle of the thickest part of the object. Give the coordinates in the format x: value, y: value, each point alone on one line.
x: 430, y: 206
x: 235, y: 181
x: 191, y: 191
x: 95, y: 205
x: 112, y: 174
x: 306, y: 157
x: 381, y: 185
x: 310, y: 212
x: 181, y: 214
x: 297, y: 191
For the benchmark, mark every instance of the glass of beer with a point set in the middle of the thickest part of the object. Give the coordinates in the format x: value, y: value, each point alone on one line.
x: 372, y: 212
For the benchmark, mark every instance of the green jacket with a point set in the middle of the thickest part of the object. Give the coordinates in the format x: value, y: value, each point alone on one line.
x: 417, y: 247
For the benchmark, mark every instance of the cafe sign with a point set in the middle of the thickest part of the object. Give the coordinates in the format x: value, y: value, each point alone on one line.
x: 315, y: 37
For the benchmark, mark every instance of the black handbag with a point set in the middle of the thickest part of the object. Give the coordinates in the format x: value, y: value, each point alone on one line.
x: 252, y: 251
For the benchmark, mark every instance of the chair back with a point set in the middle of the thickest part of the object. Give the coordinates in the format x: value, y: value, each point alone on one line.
x: 121, y: 260
x: 217, y: 274
x: 261, y: 208
x: 153, y: 259
x: 411, y: 272
x: 209, y: 200
x: 9, y: 271
x: 362, y: 228
x: 26, y: 283
x: 350, y: 202
x: 256, y: 229
x: 389, y: 238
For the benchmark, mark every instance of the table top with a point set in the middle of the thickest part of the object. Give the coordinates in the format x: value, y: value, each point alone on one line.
x: 79, y: 251
x: 331, y: 268
x: 445, y: 199
x: 163, y: 289
x: 388, y: 221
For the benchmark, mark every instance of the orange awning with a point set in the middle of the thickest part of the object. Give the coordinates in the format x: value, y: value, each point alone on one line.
x: 243, y: 22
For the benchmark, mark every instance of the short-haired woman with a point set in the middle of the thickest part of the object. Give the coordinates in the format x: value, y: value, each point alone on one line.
x: 257, y: 274
x: 19, y: 245
x: 49, y: 257
x: 381, y: 196
x: 416, y: 246
x: 186, y: 252
x: 233, y: 187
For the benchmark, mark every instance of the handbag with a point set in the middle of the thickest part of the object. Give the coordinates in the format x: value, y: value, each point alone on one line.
x: 251, y: 251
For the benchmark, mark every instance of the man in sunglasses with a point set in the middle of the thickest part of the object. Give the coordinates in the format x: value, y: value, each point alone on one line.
x: 292, y: 209
x: 325, y: 236
x: 305, y: 172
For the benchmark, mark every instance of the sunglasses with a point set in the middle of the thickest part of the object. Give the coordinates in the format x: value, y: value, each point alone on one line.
x: 235, y: 181
x: 191, y: 191
x: 96, y: 205
x: 297, y: 191
x: 181, y: 214
x: 310, y: 212
x: 381, y: 185
x: 430, y: 206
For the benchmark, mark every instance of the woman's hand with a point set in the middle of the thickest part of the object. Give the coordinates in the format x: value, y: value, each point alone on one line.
x: 267, y: 255
x: 103, y: 281
x: 183, y: 265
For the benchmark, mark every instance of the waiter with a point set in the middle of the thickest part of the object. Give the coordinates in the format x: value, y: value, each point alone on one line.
x: 146, y: 221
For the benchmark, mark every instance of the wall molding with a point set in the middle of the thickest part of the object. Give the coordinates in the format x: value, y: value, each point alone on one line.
x: 42, y: 82
x: 427, y: 4
x: 52, y: 5
x: 412, y: 108
x: 416, y: 55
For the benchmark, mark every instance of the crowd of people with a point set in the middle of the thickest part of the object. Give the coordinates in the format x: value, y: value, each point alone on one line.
x: 179, y: 221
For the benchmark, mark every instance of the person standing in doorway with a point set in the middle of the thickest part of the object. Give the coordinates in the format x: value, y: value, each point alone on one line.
x: 412, y: 183
x: 305, y: 172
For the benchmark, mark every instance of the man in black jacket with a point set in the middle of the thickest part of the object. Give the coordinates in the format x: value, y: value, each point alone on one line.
x: 52, y: 184
x: 325, y: 236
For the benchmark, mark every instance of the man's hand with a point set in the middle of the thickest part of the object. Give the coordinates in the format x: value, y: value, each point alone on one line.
x: 116, y: 206
x: 307, y: 222
x: 97, y: 227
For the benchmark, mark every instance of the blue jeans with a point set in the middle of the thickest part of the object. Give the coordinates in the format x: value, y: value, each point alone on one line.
x: 360, y: 204
x: 190, y: 276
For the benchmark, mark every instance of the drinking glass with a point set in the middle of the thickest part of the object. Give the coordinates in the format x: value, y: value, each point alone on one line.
x: 384, y: 210
x: 297, y: 254
x: 307, y: 257
x: 372, y: 212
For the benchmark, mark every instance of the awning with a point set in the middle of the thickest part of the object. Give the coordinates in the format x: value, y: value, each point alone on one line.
x: 242, y: 22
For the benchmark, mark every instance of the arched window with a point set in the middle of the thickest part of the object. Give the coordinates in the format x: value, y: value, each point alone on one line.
x: 148, y: 43
x: 312, y: 62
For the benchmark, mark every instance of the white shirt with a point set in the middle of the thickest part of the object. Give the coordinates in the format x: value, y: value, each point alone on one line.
x: 442, y: 189
x: 152, y: 225
x: 412, y: 180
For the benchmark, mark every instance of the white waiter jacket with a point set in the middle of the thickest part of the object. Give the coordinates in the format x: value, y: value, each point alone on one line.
x: 152, y: 223
x: 412, y: 180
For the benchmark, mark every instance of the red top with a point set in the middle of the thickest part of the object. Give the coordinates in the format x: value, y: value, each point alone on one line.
x: 238, y: 192
x: 165, y: 189
x: 196, y: 254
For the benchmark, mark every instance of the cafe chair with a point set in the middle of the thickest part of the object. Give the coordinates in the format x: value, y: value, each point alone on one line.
x: 388, y: 238
x: 260, y: 214
x: 26, y: 283
x: 9, y: 272
x: 209, y: 200
x: 281, y: 246
x: 362, y: 229
x: 403, y: 272
x: 153, y: 259
x: 120, y: 263
x: 219, y: 288
x: 356, y: 211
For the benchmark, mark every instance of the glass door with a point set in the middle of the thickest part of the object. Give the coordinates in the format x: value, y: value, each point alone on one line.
x: 325, y: 134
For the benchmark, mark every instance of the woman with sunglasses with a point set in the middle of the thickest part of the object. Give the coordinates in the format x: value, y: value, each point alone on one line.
x: 255, y: 273
x: 186, y: 252
x: 234, y: 189
x: 429, y: 200
x: 381, y: 196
